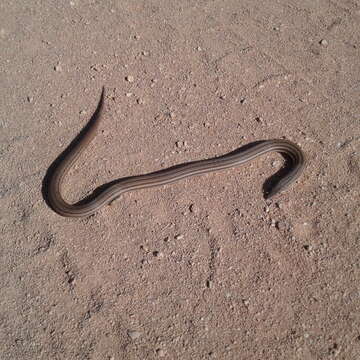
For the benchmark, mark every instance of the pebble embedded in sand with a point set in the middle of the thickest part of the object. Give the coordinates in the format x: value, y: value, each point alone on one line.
x: 158, y: 254
x: 133, y: 334
x: 193, y: 208
x: 130, y: 79
x: 160, y: 352
x: 324, y: 42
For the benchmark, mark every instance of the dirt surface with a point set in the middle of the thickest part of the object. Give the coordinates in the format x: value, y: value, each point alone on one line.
x: 204, y: 268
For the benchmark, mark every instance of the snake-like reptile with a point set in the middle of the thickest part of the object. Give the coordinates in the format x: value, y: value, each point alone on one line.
x: 166, y: 176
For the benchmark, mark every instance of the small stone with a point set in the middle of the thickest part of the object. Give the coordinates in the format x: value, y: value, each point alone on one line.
x: 242, y: 101
x: 130, y: 78
x: 128, y: 94
x: 222, y: 97
x: 179, y: 237
x: 29, y: 99
x: 133, y: 334
x: 324, y: 42
x: 144, y: 247
x: 82, y: 112
x: 136, y: 37
x: 246, y: 302
x: 179, y: 144
x: 198, y: 48
x: 172, y: 115
x: 209, y: 284
x: 160, y: 352
x: 276, y: 28
x: 158, y: 254
x: 57, y: 68
x: 259, y: 119
x: 193, y: 208
x: 145, y: 53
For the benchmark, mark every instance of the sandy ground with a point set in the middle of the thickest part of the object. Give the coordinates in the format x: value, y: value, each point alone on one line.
x: 204, y: 268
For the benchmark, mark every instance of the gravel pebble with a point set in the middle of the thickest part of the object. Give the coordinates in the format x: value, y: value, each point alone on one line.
x: 160, y: 352
x: 133, y: 334
x: 144, y: 247
x: 273, y: 223
x: 193, y: 208
x: 179, y: 237
x: 130, y: 78
x: 57, y: 68
x: 158, y: 254
x: 324, y: 42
